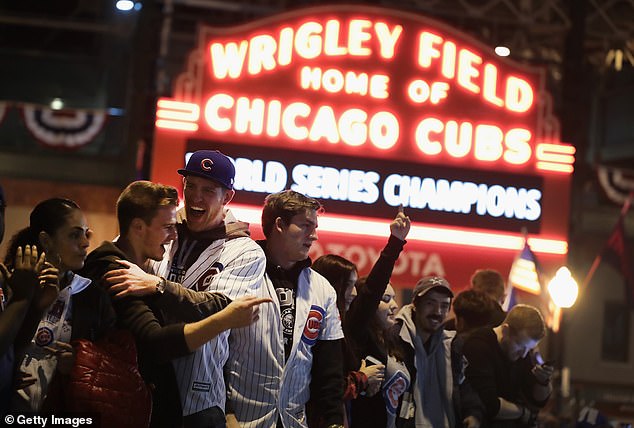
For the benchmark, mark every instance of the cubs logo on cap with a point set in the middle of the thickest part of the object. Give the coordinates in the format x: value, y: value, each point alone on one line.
x: 210, y: 164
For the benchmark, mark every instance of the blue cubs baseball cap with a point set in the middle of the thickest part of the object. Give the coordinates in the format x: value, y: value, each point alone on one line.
x: 210, y: 164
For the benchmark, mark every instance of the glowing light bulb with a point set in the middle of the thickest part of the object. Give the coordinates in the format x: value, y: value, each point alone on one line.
x: 502, y: 51
x: 563, y: 288
x: 57, y: 104
x: 125, y: 5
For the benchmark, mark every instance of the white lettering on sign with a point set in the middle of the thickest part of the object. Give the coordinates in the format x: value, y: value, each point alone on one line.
x: 258, y: 176
x: 331, y: 183
x: 467, y: 69
x: 354, y: 127
x: 487, y: 143
x: 364, y: 38
x: 333, y: 80
x: 354, y: 185
x: 415, y: 264
x: 462, y: 197
x: 299, y: 121
x: 264, y: 52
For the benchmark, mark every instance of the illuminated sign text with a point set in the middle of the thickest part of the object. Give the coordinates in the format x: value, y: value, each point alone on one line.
x: 347, y: 185
x: 354, y: 82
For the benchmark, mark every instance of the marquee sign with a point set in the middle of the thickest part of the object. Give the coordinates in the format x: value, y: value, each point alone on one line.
x: 368, y: 108
x: 354, y: 185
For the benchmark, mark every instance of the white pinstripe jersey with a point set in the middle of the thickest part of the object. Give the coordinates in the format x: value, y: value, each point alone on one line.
x: 261, y: 387
x: 200, y: 374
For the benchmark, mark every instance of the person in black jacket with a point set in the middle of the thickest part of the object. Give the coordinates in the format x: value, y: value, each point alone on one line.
x: 472, y: 309
x: 170, y: 321
x: 502, y: 369
x: 371, y: 314
x: 476, y: 312
x: 363, y: 335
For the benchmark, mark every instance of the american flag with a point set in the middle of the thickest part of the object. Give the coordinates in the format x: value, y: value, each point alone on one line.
x: 525, y: 286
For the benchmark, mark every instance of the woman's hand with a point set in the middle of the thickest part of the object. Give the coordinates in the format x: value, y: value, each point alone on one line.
x: 49, y: 287
x: 375, y: 374
x: 65, y: 354
x: 23, y: 380
x: 23, y: 282
x: 400, y: 225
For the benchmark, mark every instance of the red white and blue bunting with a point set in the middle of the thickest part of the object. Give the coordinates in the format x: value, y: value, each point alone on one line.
x: 617, y: 184
x: 68, y: 129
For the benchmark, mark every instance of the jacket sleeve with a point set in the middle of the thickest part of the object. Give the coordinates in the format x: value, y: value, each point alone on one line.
x: 327, y: 381
x: 180, y: 304
x: 469, y: 400
x: 364, y: 306
x: 481, y: 376
x: 355, y: 383
x: 528, y: 383
x: 156, y: 342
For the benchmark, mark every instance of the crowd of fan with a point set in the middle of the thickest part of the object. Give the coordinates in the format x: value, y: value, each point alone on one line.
x: 234, y: 332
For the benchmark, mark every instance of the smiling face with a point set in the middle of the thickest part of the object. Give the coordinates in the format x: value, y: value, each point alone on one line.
x: 204, y: 202
x: 296, y: 238
x: 386, y: 311
x: 160, y: 231
x: 431, y: 310
x: 67, y: 247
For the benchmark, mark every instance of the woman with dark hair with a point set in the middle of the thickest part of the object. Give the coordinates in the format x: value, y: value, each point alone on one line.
x: 371, y: 314
x: 67, y: 307
x: 362, y: 319
x: 342, y: 275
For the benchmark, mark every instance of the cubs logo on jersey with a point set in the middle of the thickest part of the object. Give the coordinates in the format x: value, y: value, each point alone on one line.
x: 44, y: 336
x: 394, y: 388
x: 313, y: 325
x: 204, y: 281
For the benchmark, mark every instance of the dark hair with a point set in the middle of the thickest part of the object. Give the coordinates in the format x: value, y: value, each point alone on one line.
x: 373, y: 326
x: 490, y: 282
x: 142, y: 199
x: 336, y: 270
x: 47, y: 216
x: 528, y: 319
x: 474, y: 308
x: 285, y: 205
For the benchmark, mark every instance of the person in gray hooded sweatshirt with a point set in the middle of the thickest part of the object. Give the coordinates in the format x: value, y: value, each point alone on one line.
x: 437, y: 393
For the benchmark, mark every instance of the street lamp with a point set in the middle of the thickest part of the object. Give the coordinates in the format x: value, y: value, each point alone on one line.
x: 563, y: 288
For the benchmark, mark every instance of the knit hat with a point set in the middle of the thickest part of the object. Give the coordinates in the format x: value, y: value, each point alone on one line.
x: 424, y: 285
x: 210, y: 164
